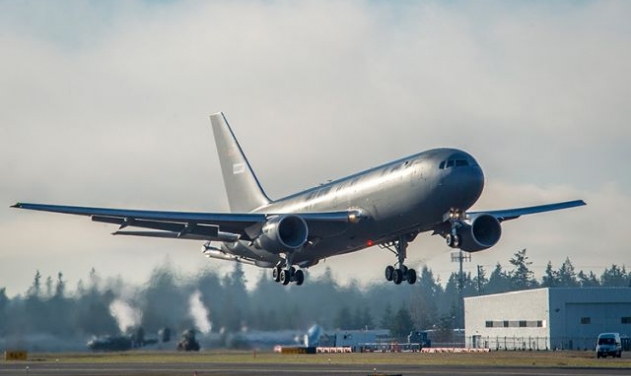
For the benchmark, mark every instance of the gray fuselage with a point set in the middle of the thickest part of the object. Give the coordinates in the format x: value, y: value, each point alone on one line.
x: 407, y: 196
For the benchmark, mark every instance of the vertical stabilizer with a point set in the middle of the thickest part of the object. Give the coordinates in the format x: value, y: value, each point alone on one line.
x: 244, y: 191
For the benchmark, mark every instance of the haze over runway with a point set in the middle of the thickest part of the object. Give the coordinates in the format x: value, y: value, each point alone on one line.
x: 107, y: 105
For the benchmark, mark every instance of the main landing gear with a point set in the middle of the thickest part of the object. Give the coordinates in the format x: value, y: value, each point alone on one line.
x: 402, y: 273
x: 287, y: 275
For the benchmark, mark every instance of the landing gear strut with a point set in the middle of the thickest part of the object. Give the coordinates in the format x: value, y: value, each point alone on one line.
x: 455, y: 218
x: 402, y: 273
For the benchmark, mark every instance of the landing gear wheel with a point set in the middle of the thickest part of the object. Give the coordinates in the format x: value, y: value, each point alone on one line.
x: 299, y: 277
x: 404, y: 270
x: 399, y: 248
x: 285, y: 277
x: 292, y: 272
x: 411, y: 276
x: 452, y: 240
x: 397, y: 277
x: 276, y: 274
x: 389, y: 272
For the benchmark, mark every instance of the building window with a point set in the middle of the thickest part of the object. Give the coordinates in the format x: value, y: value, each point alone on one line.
x: 625, y: 320
x: 586, y: 320
x: 518, y: 323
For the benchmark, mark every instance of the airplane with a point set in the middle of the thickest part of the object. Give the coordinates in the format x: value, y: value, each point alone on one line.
x: 385, y: 206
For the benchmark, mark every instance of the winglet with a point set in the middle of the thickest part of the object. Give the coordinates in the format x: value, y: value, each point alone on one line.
x: 17, y: 205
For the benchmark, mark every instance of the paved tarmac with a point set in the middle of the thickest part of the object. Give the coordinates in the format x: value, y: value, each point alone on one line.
x: 231, y: 369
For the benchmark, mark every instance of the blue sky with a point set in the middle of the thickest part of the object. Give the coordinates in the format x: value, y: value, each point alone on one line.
x: 107, y: 104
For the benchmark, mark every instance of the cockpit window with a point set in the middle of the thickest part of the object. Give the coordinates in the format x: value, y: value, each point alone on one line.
x: 456, y: 163
x: 461, y: 162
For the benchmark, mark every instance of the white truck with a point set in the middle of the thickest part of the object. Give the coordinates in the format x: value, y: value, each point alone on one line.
x: 608, y: 344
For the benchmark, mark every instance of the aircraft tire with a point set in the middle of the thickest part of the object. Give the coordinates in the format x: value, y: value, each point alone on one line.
x: 404, y: 270
x: 397, y: 277
x: 276, y: 274
x: 284, y: 277
x: 449, y: 239
x: 299, y: 277
x: 411, y: 276
x: 452, y: 241
x: 389, y: 272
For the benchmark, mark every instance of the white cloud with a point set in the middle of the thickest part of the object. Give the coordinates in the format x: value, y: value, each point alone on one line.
x: 107, y: 105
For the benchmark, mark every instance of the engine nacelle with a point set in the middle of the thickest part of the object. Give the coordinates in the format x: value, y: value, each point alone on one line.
x: 483, y: 232
x: 283, y: 234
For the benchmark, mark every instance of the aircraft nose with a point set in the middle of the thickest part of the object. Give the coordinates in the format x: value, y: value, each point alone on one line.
x: 465, y: 186
x: 475, y: 182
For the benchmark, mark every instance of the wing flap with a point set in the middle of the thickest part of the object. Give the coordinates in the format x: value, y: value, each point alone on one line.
x: 220, y: 237
x: 207, y: 226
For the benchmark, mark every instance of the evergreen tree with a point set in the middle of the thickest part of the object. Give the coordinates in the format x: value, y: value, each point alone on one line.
x: 4, y: 305
x: 521, y: 277
x: 35, y: 289
x: 366, y: 319
x: 93, y: 316
x: 235, y: 299
x: 163, y: 303
x: 480, y: 281
x: 424, y: 300
x: 402, y: 323
x: 587, y: 280
x: 344, y: 320
x: 49, y: 286
x: 615, y: 276
x: 551, y: 277
x: 499, y: 281
x: 566, y: 275
x: 387, y: 318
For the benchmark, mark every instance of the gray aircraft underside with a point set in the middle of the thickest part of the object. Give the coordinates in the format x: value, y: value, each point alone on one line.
x: 387, y: 206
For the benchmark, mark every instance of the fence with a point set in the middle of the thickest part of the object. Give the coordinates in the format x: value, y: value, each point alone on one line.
x: 498, y: 343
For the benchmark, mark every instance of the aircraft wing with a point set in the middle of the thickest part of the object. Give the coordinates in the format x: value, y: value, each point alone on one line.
x: 508, y: 214
x: 190, y: 225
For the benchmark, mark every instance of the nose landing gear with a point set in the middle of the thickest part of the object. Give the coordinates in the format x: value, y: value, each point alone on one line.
x: 402, y: 273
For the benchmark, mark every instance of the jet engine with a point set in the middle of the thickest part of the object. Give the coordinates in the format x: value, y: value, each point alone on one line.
x: 283, y: 234
x: 482, y: 233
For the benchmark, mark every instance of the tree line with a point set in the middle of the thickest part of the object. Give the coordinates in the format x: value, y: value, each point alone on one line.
x: 165, y: 301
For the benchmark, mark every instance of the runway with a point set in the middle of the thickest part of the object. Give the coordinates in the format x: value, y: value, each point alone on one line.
x: 247, y: 369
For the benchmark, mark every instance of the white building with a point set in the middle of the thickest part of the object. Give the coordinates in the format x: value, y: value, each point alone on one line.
x: 546, y: 319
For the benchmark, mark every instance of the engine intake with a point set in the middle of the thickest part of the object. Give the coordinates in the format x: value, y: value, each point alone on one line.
x: 483, y: 232
x: 282, y: 234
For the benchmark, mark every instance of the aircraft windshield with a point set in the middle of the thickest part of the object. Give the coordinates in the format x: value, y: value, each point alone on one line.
x: 456, y: 162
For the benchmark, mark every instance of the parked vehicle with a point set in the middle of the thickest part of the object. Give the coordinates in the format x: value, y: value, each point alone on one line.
x: 608, y: 344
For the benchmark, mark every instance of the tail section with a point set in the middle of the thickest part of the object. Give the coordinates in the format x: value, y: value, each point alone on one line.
x: 244, y: 191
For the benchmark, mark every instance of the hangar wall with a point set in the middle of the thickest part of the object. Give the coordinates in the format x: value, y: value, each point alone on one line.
x: 542, y: 319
